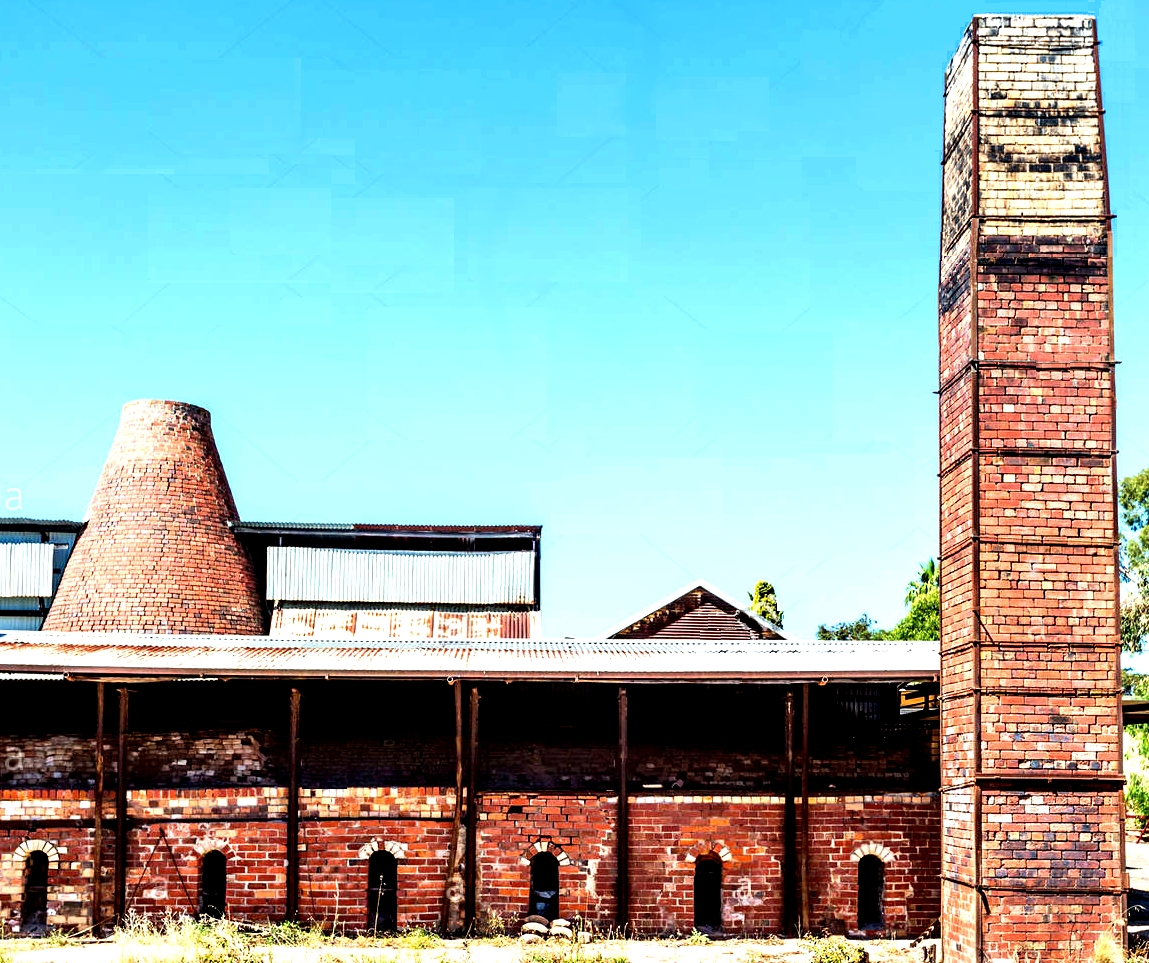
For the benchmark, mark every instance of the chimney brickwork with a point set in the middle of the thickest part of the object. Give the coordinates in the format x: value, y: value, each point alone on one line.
x: 156, y: 554
x: 1033, y: 853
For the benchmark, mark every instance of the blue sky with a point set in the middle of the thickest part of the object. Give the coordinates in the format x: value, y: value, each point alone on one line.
x: 660, y: 277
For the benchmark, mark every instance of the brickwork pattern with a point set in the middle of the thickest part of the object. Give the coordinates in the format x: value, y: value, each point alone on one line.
x: 1029, y: 583
x: 157, y: 555
x: 339, y: 829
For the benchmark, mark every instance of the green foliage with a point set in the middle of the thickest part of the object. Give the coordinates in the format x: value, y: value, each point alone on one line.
x: 837, y: 949
x: 923, y: 620
x: 927, y: 581
x: 764, y: 603
x: 697, y: 939
x: 418, y: 939
x: 1133, y: 498
x: 862, y: 628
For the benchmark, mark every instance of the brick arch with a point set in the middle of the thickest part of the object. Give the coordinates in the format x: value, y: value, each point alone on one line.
x: 29, y: 846
x: 396, y: 849
x: 872, y: 849
x: 544, y: 845
x: 207, y: 844
x: 710, y: 847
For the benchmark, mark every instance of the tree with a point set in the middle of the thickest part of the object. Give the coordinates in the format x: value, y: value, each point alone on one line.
x: 1133, y: 499
x: 863, y: 628
x: 924, y: 619
x: 764, y: 603
x: 926, y: 581
x: 922, y: 622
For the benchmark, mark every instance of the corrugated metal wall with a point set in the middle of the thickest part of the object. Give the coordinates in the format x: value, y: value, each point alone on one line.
x: 25, y: 569
x: 420, y: 578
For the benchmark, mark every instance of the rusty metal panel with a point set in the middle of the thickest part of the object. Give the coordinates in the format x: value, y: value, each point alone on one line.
x: 25, y: 569
x: 422, y: 578
x: 344, y: 619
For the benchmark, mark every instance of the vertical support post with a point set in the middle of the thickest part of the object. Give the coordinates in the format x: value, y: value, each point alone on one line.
x: 472, y: 884
x: 623, y: 829
x: 788, y: 915
x: 450, y: 890
x: 804, y: 851
x: 293, y: 810
x: 98, y: 811
x: 121, y: 892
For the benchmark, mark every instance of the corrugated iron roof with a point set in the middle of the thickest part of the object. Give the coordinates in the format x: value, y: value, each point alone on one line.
x: 112, y: 654
x: 8, y: 523
x: 767, y: 627
x: 391, y: 529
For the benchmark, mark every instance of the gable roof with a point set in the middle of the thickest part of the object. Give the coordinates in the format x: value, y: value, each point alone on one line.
x: 697, y: 610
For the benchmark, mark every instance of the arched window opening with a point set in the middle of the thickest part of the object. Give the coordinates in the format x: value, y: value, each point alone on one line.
x: 544, y: 886
x: 213, y: 884
x: 871, y: 888
x: 708, y: 894
x: 34, y: 909
x: 382, y: 892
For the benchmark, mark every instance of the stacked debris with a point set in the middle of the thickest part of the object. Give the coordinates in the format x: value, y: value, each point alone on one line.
x: 536, y: 929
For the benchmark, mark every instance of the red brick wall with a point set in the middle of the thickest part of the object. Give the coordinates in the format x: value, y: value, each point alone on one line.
x: 1029, y: 631
x: 340, y: 828
x: 668, y: 833
x: 157, y: 555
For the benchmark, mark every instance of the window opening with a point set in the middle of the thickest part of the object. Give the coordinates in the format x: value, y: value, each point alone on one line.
x: 34, y: 910
x: 544, y: 886
x: 871, y: 885
x: 382, y: 892
x: 708, y: 894
x: 213, y: 884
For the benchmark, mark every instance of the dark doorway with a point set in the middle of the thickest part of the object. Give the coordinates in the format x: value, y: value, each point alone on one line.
x: 34, y: 910
x: 544, y: 886
x: 382, y: 892
x: 708, y: 894
x: 871, y: 884
x: 213, y: 884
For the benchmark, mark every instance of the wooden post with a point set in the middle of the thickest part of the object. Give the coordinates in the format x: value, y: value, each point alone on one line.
x: 121, y: 878
x: 623, y: 830
x: 472, y: 883
x: 98, y: 811
x: 450, y: 907
x: 804, y: 850
x: 293, y: 810
x: 788, y: 832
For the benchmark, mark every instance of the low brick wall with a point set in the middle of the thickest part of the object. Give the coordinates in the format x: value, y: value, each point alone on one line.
x: 340, y: 829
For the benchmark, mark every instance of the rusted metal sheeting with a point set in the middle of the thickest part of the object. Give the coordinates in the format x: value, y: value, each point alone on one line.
x: 421, y: 578
x: 334, y: 620
x: 110, y: 654
x: 25, y: 569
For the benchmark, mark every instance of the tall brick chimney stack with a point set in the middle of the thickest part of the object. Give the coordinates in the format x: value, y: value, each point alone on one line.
x: 1033, y: 848
x: 157, y: 555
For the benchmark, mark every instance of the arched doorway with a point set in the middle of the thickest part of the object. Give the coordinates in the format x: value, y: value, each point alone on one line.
x: 382, y: 892
x: 708, y: 893
x: 544, y: 886
x: 213, y: 884
x: 34, y: 909
x: 871, y: 886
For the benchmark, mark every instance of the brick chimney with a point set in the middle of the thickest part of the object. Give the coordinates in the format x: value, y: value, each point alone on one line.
x: 157, y: 555
x: 1032, y: 807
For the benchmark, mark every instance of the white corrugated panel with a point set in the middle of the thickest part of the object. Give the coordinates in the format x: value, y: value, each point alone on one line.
x: 364, y: 575
x: 25, y: 569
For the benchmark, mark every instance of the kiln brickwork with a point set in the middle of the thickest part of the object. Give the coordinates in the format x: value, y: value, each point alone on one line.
x: 156, y: 554
x: 1032, y: 861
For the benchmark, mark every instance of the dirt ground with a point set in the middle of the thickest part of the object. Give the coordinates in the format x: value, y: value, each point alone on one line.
x: 462, y: 951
